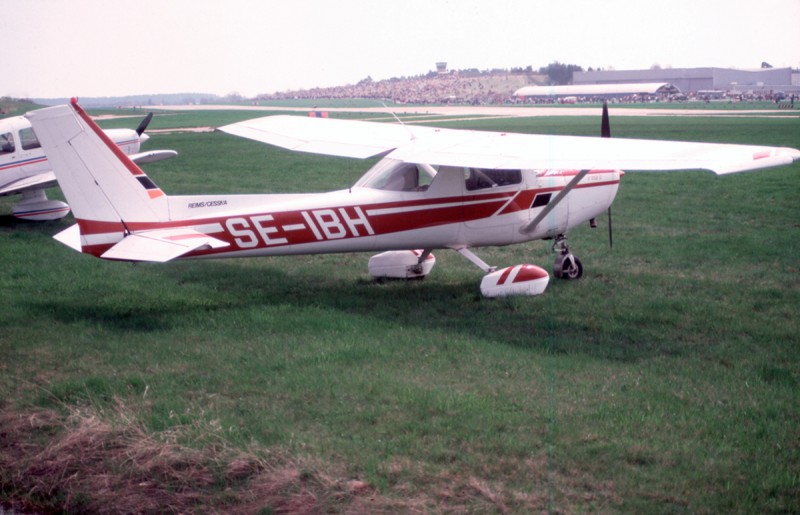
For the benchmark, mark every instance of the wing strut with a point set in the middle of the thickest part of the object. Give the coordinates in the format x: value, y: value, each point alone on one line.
x: 553, y: 203
x: 464, y: 251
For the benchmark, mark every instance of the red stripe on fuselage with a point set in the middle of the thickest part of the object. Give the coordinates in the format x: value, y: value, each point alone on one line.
x: 24, y: 162
x: 259, y: 230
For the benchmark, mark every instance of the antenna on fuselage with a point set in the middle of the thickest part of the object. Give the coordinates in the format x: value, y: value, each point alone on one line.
x: 399, y: 121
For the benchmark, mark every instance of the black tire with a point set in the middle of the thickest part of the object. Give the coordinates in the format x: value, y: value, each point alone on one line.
x: 563, y: 270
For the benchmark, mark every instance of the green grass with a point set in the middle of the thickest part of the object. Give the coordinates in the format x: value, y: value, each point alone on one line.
x: 665, y: 380
x: 12, y: 107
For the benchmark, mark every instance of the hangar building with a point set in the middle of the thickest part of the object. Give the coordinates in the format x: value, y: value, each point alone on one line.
x: 692, y: 80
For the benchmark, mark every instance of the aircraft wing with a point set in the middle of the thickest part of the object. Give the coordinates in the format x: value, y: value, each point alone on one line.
x: 528, y: 151
x: 329, y: 136
x: 33, y: 182
x: 496, y: 150
x: 161, y: 245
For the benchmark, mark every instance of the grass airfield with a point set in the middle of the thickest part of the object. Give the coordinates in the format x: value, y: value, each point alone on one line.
x: 665, y: 380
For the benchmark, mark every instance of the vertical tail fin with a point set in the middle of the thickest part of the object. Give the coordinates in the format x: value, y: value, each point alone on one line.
x: 101, y: 184
x: 117, y: 207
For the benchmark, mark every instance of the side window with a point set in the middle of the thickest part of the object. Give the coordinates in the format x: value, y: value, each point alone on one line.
x: 392, y: 175
x: 402, y: 178
x: 482, y: 178
x: 6, y: 143
x: 28, y: 139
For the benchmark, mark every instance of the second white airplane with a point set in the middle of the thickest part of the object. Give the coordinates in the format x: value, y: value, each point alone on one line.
x: 25, y: 170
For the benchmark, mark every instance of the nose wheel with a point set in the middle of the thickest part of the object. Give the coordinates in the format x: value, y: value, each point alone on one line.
x: 566, y: 265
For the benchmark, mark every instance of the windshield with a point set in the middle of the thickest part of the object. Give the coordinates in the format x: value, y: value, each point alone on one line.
x: 394, y: 175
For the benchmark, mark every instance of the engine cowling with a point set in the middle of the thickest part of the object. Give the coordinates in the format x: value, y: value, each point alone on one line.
x: 515, y: 280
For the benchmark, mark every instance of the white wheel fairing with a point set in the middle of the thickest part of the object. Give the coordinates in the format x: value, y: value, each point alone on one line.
x: 515, y: 280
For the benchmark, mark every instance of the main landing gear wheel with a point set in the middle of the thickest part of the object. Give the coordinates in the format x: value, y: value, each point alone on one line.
x: 566, y: 265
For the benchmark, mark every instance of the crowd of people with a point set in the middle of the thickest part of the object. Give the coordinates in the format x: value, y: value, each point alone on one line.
x: 433, y: 88
x: 478, y: 89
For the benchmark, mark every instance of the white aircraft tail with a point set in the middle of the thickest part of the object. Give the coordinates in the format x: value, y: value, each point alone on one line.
x: 101, y: 184
x: 119, y: 210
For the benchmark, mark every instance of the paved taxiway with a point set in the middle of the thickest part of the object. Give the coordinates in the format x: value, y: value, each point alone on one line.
x: 500, y: 111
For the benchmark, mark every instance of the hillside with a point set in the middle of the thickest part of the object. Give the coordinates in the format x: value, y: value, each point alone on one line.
x: 462, y: 87
x: 15, y: 107
x: 429, y: 89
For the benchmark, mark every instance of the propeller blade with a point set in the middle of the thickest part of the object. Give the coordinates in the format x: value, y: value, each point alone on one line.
x: 605, y: 132
x: 605, y: 125
x: 144, y: 123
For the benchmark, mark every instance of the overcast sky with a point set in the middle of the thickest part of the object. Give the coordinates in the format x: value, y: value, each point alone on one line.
x: 62, y: 48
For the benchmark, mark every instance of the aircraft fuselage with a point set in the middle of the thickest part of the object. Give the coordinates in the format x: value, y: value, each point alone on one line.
x: 361, y: 219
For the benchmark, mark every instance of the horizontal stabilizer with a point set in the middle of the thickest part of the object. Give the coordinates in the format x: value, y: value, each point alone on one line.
x: 71, y: 237
x: 152, y: 156
x: 161, y: 245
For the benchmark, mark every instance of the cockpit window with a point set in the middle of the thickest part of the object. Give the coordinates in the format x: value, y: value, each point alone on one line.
x: 6, y: 143
x: 482, y: 178
x: 28, y: 139
x: 393, y: 175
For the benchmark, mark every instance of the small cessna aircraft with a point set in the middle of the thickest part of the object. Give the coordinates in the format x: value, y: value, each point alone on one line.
x: 24, y: 168
x: 434, y: 189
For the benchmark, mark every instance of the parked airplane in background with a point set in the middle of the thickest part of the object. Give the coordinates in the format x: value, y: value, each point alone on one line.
x: 25, y: 170
x: 434, y: 189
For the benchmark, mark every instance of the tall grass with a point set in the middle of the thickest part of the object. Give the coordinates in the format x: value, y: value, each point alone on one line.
x: 665, y: 380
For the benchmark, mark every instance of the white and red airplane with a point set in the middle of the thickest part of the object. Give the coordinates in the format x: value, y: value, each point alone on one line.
x: 434, y: 189
x: 25, y: 170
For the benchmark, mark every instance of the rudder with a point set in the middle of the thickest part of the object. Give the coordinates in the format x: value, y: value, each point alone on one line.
x: 100, y: 183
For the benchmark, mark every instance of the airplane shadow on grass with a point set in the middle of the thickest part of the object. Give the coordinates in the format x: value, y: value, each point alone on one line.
x: 9, y: 222
x: 547, y: 323
x: 12, y: 223
x: 551, y: 323
x: 446, y: 305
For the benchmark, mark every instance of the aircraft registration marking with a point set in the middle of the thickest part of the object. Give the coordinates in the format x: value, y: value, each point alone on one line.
x: 336, y: 223
x: 244, y: 230
x: 282, y: 228
x: 324, y: 224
